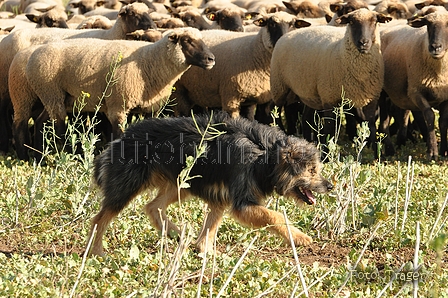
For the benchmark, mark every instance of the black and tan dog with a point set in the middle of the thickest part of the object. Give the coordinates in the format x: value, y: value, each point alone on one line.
x: 241, y: 166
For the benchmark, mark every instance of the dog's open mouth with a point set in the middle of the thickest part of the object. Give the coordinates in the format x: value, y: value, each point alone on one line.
x: 305, y: 195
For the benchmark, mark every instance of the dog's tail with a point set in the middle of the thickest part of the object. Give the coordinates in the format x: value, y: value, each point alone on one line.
x: 119, y: 181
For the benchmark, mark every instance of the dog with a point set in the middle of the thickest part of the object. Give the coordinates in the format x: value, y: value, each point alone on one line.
x: 243, y: 162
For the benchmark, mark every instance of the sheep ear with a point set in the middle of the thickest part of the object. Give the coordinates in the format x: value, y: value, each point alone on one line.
x: 418, y: 22
x: 421, y: 4
x: 383, y: 19
x: 290, y: 6
x: 260, y: 22
x: 173, y: 37
x: 74, y: 4
x: 33, y: 18
x: 343, y: 20
x: 43, y: 10
x: 301, y: 24
x: 336, y: 7
x: 250, y: 15
x: 391, y: 9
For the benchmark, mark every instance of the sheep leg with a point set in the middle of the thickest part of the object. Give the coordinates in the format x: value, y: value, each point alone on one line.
x: 429, y: 117
x: 402, y: 118
x: 308, y: 125
x: 443, y: 126
x: 328, y: 131
x: 384, y: 105
x: 39, y: 133
x: 4, y: 124
x: 368, y: 113
x: 249, y: 112
x: 20, y: 130
x: 419, y: 120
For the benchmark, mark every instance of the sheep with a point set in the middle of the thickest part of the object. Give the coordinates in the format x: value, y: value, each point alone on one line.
x: 5, y: 31
x: 226, y: 18
x: 170, y: 23
x: 145, y: 77
x: 84, y: 6
x: 396, y: 9
x: 415, y: 72
x: 50, y: 17
x: 305, y: 8
x: 262, y: 6
x: 342, y: 8
x: 241, y: 75
x: 132, y: 17
x: 150, y: 35
x: 95, y: 22
x: 316, y: 63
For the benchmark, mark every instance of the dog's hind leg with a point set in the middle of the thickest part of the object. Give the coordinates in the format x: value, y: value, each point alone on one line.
x: 211, y: 223
x: 256, y: 216
x: 156, y: 209
x: 101, y: 220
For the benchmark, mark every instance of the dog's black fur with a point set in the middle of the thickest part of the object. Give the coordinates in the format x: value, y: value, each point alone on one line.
x: 243, y: 163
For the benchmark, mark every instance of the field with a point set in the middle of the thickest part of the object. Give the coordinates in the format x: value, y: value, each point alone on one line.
x: 381, y: 232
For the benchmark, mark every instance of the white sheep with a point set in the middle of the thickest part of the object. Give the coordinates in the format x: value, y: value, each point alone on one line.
x: 416, y: 71
x: 145, y: 77
x: 132, y: 17
x: 316, y: 63
x: 241, y: 74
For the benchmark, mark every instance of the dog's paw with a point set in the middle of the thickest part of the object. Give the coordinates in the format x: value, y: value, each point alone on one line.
x: 301, y: 239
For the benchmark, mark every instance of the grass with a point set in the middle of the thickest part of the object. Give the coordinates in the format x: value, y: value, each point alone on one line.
x: 380, y: 233
x: 366, y: 227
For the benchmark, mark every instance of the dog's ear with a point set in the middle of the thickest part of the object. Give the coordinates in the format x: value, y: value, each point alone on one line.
x: 297, y: 152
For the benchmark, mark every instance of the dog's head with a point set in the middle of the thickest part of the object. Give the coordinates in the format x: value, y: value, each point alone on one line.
x: 298, y: 171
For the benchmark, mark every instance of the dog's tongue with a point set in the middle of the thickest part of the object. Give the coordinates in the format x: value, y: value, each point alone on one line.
x: 310, y: 196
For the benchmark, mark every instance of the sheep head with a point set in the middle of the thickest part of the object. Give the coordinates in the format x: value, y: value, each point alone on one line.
x: 361, y: 24
x: 277, y: 24
x: 136, y: 16
x: 437, y: 28
x: 193, y: 47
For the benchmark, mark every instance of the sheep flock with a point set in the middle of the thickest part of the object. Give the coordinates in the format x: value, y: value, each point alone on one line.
x: 245, y: 57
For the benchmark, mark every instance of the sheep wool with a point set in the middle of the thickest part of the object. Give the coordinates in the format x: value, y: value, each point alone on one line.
x: 241, y: 74
x: 318, y: 63
x: 58, y: 73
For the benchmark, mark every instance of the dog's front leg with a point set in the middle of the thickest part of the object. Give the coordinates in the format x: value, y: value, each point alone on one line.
x: 211, y: 223
x: 256, y: 216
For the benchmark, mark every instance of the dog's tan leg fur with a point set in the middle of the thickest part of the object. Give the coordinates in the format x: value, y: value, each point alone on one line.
x: 102, y: 220
x: 259, y: 217
x: 212, y: 223
x: 167, y: 195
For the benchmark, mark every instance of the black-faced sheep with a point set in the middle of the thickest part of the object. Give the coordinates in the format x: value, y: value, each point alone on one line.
x: 416, y: 75
x: 149, y: 35
x: 305, y: 8
x: 84, y: 6
x: 95, y: 22
x: 50, y: 17
x: 317, y: 63
x: 396, y: 9
x: 145, y: 77
x: 230, y: 18
x: 132, y: 17
x: 241, y: 74
x: 341, y: 8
